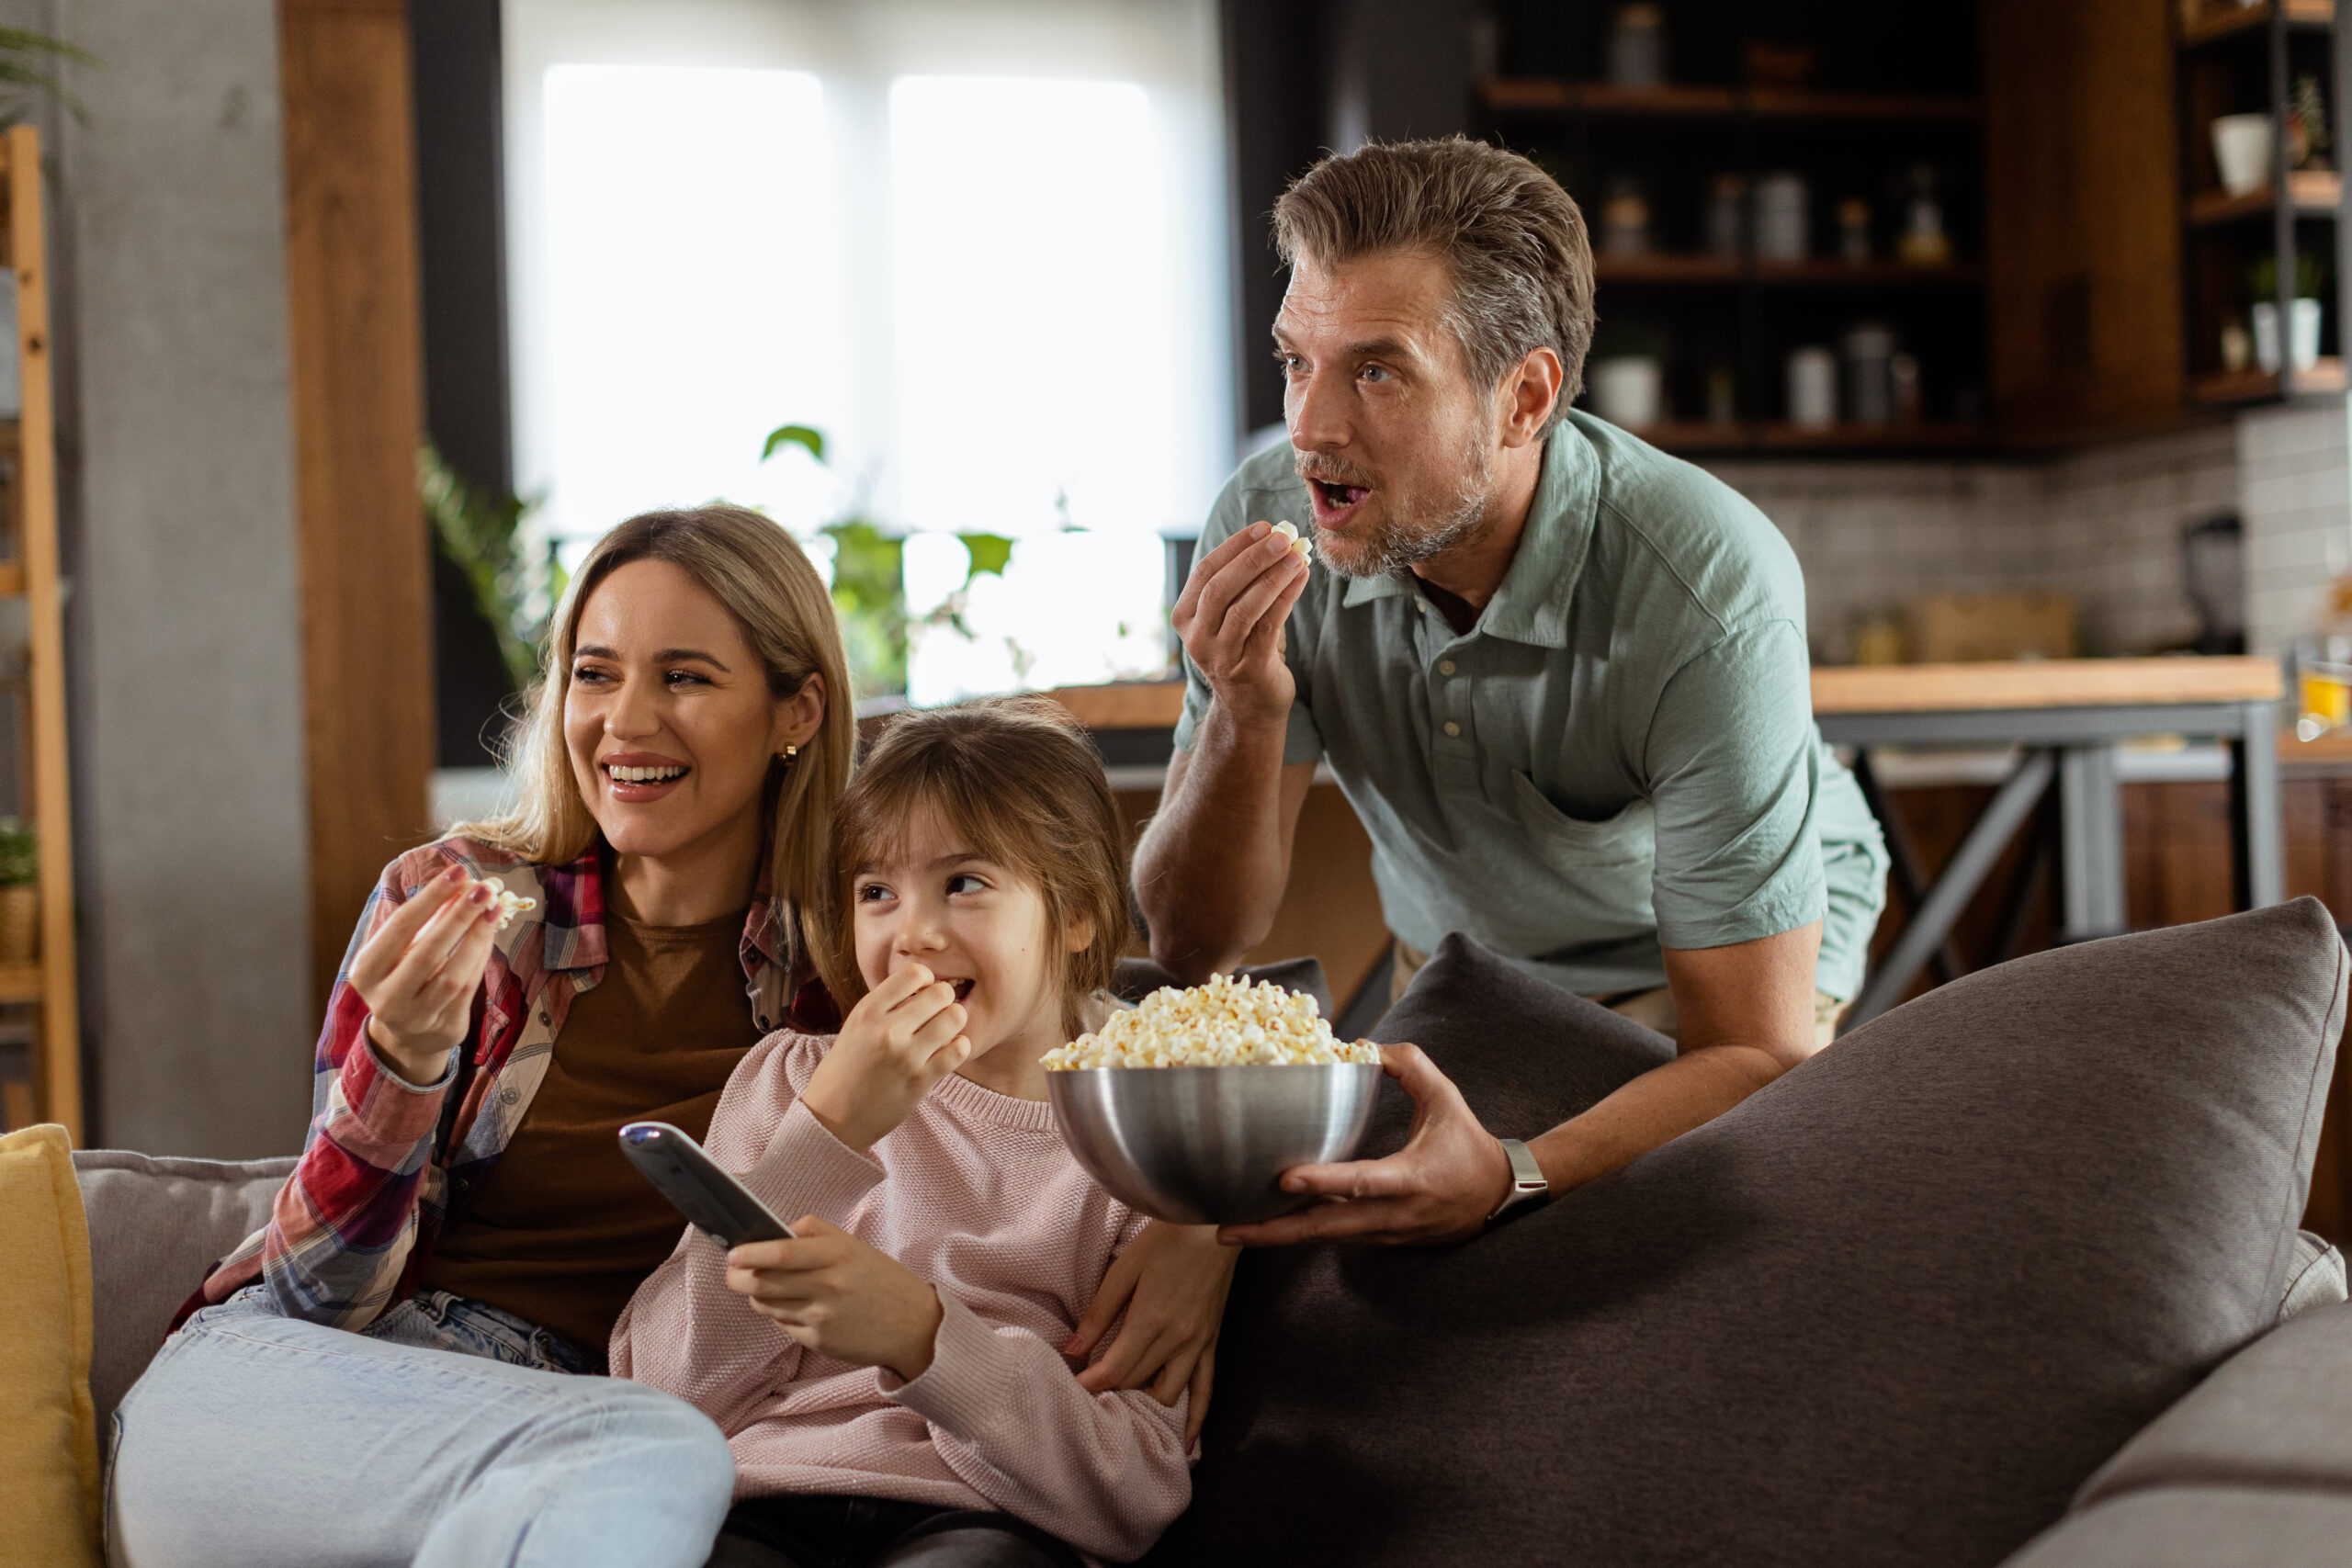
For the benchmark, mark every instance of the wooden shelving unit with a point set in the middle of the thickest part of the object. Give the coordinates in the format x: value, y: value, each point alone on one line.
x: 1697, y: 439
x: 2226, y: 18
x: 2248, y: 59
x: 1544, y: 96
x: 1879, y: 115
x: 31, y: 571
x: 1667, y: 267
x: 2224, y: 388
x: 2314, y: 193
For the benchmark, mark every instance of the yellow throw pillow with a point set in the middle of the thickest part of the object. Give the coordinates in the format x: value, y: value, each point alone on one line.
x: 49, y: 1431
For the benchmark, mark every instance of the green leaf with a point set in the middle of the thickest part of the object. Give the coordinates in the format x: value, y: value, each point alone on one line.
x: 989, y: 553
x: 795, y: 436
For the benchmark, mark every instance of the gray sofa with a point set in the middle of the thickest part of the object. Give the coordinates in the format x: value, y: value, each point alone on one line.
x: 2008, y: 1275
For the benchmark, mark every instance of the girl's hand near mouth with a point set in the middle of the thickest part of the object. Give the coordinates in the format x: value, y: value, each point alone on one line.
x: 905, y: 1036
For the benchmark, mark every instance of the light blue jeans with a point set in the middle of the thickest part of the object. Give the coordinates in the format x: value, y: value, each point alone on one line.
x: 450, y: 1435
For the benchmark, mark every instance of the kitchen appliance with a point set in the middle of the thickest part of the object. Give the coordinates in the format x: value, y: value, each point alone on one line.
x: 2212, y: 574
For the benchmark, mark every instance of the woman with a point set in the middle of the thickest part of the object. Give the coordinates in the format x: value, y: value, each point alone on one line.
x: 678, y: 774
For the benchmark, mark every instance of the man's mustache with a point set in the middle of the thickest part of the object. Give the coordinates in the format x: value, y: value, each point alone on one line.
x: 1331, y: 470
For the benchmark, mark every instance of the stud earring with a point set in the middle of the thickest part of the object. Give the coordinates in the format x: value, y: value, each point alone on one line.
x: 789, y: 753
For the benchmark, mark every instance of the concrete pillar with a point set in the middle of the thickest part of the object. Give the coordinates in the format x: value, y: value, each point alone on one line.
x: 169, y: 245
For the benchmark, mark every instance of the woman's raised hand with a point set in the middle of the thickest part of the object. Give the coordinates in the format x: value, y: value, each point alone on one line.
x: 906, y: 1036
x: 419, y: 972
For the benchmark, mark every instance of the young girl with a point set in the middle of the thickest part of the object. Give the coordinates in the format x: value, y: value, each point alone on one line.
x: 894, y: 1376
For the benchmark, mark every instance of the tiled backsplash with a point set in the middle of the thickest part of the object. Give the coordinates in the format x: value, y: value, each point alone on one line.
x: 2103, y: 524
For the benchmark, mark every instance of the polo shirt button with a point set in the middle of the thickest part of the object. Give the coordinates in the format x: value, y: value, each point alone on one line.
x: 1445, y: 666
x: 1452, y: 727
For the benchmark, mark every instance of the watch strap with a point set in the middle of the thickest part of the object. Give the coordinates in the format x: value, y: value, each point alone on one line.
x: 1528, y: 1189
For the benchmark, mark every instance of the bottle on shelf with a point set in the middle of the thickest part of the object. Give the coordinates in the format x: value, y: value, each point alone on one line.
x: 1854, y: 230
x: 1626, y: 219
x: 1780, y: 218
x: 1727, y: 216
x: 1638, y: 47
x: 1923, y: 243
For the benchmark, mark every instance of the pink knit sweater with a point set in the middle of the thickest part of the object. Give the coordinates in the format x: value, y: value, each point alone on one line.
x: 976, y: 1193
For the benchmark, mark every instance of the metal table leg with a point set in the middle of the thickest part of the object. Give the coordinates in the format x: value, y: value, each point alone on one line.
x: 2258, y: 867
x: 2090, y: 836
x: 1957, y: 882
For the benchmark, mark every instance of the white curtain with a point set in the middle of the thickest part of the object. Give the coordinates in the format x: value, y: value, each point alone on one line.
x: 982, y: 245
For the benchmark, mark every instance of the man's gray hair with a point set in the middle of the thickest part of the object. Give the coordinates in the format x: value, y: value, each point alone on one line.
x: 1513, y: 241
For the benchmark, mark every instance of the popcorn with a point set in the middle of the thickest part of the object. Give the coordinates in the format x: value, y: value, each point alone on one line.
x: 1224, y: 1023
x: 509, y: 904
x: 1298, y: 546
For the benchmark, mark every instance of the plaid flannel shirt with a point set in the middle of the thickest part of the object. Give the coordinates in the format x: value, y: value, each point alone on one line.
x: 386, y: 1160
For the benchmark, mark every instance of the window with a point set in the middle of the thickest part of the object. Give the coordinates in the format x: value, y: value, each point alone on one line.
x: 981, y: 247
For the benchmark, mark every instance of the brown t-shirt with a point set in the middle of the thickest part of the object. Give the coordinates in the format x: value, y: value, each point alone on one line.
x: 563, y: 1228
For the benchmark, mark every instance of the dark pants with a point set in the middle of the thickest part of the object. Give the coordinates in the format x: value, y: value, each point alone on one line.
x: 788, y: 1531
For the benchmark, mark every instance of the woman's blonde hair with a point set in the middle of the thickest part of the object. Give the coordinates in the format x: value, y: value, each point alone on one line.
x: 1021, y: 785
x: 752, y: 566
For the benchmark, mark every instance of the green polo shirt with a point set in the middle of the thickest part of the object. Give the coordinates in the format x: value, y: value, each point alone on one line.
x: 1620, y: 754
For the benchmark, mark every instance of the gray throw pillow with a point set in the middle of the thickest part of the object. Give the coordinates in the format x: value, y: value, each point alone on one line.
x: 156, y: 1225
x: 1896, y: 1307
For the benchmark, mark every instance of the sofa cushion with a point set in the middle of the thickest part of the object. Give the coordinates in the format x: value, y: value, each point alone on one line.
x: 1894, y: 1308
x: 2200, y: 1527
x: 1138, y: 977
x: 2277, y: 1413
x: 48, y: 1438
x: 156, y: 1225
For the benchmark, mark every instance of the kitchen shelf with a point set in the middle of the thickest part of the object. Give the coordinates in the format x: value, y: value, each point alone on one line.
x: 2257, y: 386
x: 2316, y: 193
x: 1527, y: 94
x: 1935, y: 435
x: 2222, y: 21
x: 1669, y: 268
x: 1695, y: 438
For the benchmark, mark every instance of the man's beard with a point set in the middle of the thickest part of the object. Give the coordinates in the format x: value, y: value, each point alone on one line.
x: 1393, y: 544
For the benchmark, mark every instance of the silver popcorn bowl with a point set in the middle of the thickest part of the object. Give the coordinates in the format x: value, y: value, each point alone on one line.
x: 1205, y: 1145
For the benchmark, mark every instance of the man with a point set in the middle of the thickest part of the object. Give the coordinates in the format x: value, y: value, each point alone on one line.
x: 1562, y: 678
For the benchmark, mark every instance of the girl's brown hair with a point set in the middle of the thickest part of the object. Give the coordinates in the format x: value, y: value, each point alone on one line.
x: 751, y: 565
x: 1017, y: 780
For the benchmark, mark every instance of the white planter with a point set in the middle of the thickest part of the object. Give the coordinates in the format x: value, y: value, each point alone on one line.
x: 2242, y: 152
x: 2265, y: 335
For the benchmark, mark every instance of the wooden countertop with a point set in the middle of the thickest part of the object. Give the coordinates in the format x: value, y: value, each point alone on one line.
x: 1887, y: 688
x: 2044, y: 684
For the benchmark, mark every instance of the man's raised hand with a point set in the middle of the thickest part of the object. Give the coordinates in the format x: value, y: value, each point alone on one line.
x: 1230, y: 616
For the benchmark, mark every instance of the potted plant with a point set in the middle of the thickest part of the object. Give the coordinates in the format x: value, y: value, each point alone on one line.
x: 19, y: 891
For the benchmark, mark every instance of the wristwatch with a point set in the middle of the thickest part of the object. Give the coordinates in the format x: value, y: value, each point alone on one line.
x: 1529, y: 1190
